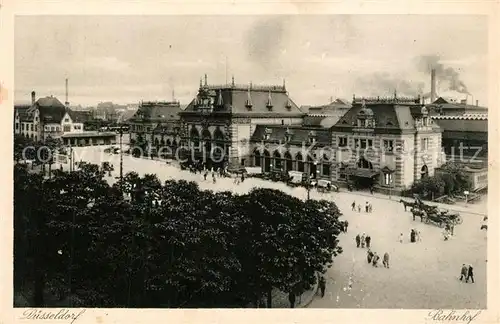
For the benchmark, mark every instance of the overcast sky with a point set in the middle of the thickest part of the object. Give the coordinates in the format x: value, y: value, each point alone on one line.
x: 126, y: 59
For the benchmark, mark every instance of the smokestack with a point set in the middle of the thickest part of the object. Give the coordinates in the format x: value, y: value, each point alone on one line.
x: 433, y: 85
x: 67, y: 102
x: 477, y: 103
x: 33, y: 97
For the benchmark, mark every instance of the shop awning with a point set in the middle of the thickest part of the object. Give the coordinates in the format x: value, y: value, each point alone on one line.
x: 363, y: 173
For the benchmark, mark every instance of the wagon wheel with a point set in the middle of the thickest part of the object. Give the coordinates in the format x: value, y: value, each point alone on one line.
x: 459, y: 220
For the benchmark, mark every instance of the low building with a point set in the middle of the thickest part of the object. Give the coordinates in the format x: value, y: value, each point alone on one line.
x: 48, y: 118
x: 447, y: 107
x: 387, y: 143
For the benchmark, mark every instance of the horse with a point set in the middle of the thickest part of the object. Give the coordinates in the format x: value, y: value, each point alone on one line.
x: 407, y: 203
x: 418, y: 212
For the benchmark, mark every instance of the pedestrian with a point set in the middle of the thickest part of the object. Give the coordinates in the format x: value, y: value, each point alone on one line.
x: 242, y: 177
x: 369, y: 256
x: 375, y: 259
x: 346, y: 224
x: 367, y: 207
x: 368, y: 240
x: 291, y: 299
x: 370, y: 208
x: 322, y: 286
x: 463, y: 272
x: 353, y: 205
x: 363, y: 240
x: 213, y: 178
x: 359, y: 208
x: 358, y: 240
x: 412, y: 236
x: 401, y: 238
x: 205, y: 175
x: 470, y: 274
x: 386, y: 260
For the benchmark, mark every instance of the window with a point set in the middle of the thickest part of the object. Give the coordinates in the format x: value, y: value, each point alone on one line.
x: 388, y: 145
x: 66, y: 120
x: 67, y: 128
x: 356, y: 142
x: 52, y: 128
x: 31, y: 127
x: 387, y: 179
x: 362, y: 143
x: 342, y: 141
x: 370, y: 143
x: 17, y: 125
x: 282, y: 122
x: 22, y: 126
x: 424, y: 144
x: 57, y: 128
x: 243, y: 162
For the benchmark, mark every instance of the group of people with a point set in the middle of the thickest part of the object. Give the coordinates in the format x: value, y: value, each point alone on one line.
x: 363, y: 240
x: 467, y: 273
x: 373, y: 258
x: 343, y: 226
x: 368, y: 207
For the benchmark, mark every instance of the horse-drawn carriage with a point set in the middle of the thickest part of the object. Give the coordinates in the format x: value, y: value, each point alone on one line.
x: 432, y: 214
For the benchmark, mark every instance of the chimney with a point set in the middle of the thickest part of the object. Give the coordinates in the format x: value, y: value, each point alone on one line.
x: 433, y: 85
x: 66, y: 102
x: 477, y: 103
x: 33, y: 97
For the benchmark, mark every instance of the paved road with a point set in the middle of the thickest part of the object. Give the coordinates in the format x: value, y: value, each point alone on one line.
x: 422, y: 275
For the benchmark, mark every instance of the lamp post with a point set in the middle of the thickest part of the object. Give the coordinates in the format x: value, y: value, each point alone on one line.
x: 466, y: 193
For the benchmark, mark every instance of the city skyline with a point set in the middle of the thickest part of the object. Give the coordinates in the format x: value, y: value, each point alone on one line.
x: 126, y: 59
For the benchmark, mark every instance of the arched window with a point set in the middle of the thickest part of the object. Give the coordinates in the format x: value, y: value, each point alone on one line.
x: 288, y: 161
x: 424, y: 172
x: 267, y: 161
x: 300, y: 162
x: 257, y: 158
x: 277, y: 160
x: 326, y: 165
x: 364, y: 164
x: 195, y: 136
x: 207, y: 139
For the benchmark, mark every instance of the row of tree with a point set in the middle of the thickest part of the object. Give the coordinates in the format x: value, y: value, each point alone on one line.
x: 143, y: 243
x: 450, y: 180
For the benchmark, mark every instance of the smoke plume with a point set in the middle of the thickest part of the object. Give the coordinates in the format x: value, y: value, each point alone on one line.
x: 448, y: 78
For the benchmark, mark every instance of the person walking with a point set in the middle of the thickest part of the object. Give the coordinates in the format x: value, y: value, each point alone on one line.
x: 363, y: 240
x: 369, y: 256
x: 358, y: 240
x: 346, y: 224
x: 412, y: 236
x: 353, y: 205
x: 401, y: 238
x: 242, y: 177
x: 386, y: 260
x: 375, y: 259
x: 205, y: 175
x: 463, y: 272
x: 367, y: 207
x: 322, y: 286
x: 470, y: 274
x: 291, y: 299
x: 359, y: 208
x: 368, y: 240
x: 213, y: 178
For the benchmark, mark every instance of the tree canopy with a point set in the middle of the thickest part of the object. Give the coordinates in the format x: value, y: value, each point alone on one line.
x: 143, y: 243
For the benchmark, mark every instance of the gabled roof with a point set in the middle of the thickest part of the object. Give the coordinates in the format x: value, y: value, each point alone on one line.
x: 50, y: 108
x: 265, y: 100
x: 22, y: 110
x: 392, y: 115
x: 79, y: 116
x: 157, y: 111
x: 298, y: 134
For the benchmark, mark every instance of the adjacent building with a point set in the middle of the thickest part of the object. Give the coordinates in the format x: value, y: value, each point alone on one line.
x: 48, y: 117
x: 155, y: 125
x: 387, y: 143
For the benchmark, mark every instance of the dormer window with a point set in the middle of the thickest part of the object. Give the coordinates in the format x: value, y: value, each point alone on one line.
x: 269, y: 103
x: 267, y: 133
x: 248, y: 102
x: 288, y: 104
x: 288, y: 135
x: 312, y: 137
